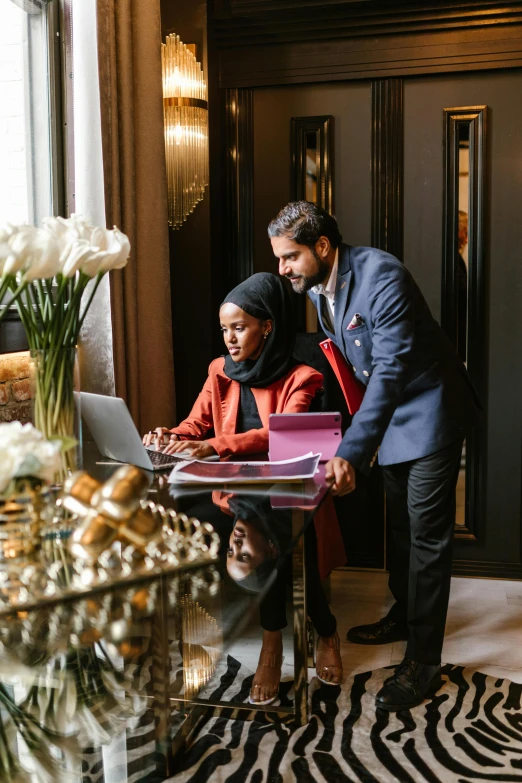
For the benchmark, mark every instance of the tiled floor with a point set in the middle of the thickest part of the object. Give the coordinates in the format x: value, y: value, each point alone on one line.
x: 483, y: 631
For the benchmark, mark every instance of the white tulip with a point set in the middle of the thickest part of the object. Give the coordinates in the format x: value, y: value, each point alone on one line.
x: 91, y: 265
x: 109, y: 249
x: 81, y: 227
x: 74, y: 256
x: 118, y: 250
x: 6, y: 232
x: 59, y: 227
x: 35, y: 252
x: 45, y: 259
x: 6, y: 255
x: 18, y: 242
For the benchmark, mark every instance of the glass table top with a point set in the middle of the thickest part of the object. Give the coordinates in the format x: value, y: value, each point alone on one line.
x: 106, y: 681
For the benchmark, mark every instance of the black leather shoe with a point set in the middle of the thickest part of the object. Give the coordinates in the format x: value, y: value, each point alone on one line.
x: 409, y: 686
x: 383, y: 632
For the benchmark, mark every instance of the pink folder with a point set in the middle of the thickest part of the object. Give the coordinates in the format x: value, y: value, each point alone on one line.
x: 294, y: 434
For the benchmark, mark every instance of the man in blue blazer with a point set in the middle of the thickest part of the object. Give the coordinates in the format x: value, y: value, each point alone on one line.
x: 418, y: 406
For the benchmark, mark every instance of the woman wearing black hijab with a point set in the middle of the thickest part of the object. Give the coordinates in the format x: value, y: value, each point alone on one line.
x: 259, y: 376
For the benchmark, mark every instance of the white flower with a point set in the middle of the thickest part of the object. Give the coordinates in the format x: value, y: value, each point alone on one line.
x: 86, y: 248
x: 59, y: 227
x: 25, y: 453
x: 118, y: 250
x: 7, y: 468
x: 16, y: 432
x: 6, y: 232
x: 6, y: 255
x: 75, y: 256
x: 35, y: 252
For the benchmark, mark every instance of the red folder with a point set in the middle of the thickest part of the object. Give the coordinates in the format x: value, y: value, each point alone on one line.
x: 353, y: 390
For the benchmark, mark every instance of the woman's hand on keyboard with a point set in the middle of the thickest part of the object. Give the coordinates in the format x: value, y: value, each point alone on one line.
x: 198, y: 448
x: 159, y: 437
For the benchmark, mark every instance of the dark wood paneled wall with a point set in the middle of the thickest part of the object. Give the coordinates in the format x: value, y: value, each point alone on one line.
x: 387, y: 166
x: 239, y: 173
x: 269, y: 43
x: 333, y: 41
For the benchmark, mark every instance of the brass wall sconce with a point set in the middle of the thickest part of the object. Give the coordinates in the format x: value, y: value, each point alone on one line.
x: 185, y: 112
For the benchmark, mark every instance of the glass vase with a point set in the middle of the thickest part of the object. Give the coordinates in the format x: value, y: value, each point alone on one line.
x: 56, y: 402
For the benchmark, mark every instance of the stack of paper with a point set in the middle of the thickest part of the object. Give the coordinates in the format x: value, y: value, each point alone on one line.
x: 199, y: 472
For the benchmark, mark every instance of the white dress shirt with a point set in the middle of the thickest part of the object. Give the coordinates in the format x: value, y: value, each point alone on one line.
x: 328, y: 290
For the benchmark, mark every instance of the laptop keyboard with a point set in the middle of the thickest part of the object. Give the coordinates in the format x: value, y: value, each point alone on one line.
x: 159, y: 459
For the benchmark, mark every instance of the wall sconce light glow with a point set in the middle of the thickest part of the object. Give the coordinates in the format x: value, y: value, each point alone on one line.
x: 186, y: 129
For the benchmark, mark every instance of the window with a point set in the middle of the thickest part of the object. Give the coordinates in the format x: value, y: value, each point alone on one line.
x: 31, y: 170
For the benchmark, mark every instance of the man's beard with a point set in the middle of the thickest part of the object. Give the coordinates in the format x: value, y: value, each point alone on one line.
x: 304, y: 284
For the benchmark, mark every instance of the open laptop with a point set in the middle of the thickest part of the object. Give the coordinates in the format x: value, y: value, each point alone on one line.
x: 294, y: 434
x: 116, y: 436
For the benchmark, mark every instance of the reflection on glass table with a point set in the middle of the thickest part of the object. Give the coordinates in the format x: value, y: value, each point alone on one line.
x: 116, y: 680
x: 83, y: 684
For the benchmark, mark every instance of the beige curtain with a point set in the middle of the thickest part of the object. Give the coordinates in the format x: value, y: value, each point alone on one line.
x: 129, y: 37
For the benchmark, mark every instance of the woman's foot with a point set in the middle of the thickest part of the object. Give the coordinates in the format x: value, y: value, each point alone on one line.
x: 265, y: 685
x: 329, y: 666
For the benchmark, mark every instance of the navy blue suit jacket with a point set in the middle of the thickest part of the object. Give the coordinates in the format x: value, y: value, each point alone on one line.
x: 419, y: 397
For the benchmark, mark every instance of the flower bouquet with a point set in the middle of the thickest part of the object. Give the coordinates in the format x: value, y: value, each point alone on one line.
x: 45, y: 273
x: 26, y: 457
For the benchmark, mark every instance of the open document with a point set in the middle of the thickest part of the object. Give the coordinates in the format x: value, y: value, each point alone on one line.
x: 197, y: 471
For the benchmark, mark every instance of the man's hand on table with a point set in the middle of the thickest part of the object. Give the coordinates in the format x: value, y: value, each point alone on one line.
x: 340, y: 475
x: 199, y: 449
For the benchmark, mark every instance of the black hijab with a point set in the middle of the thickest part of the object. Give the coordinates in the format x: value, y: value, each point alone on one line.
x: 264, y: 296
x: 276, y: 526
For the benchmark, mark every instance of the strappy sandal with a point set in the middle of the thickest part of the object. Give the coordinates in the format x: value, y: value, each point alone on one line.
x: 268, y: 660
x: 331, y: 643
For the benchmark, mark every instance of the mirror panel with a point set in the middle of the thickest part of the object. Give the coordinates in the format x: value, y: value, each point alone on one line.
x: 463, y: 292
x: 311, y: 180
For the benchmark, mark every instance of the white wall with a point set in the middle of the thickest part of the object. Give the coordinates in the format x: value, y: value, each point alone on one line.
x: 13, y: 158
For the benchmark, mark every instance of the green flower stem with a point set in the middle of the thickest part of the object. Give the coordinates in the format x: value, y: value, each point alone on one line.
x: 27, y: 326
x: 52, y: 314
x: 7, y: 761
x: 11, y: 285
x: 91, y: 297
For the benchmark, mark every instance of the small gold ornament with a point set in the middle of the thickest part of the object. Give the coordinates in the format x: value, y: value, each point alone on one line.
x: 109, y: 512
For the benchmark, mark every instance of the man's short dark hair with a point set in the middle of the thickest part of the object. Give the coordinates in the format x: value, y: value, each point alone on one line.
x: 305, y: 223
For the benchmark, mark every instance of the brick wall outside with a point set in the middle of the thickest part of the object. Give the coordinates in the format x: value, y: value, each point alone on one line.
x: 15, y: 387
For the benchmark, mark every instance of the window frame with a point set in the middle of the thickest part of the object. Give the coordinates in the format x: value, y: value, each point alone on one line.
x: 60, y: 77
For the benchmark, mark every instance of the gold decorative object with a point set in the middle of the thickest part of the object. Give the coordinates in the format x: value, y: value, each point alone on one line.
x: 202, y: 645
x: 186, y: 129
x: 21, y: 518
x: 95, y: 535
x: 109, y: 511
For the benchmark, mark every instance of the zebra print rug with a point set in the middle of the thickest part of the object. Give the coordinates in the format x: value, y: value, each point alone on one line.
x: 470, y: 731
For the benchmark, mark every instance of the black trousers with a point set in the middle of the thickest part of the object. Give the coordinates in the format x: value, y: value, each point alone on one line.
x: 272, y: 610
x: 420, y: 513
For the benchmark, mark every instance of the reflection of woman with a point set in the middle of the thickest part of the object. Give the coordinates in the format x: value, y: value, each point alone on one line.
x: 257, y: 378
x: 259, y: 538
